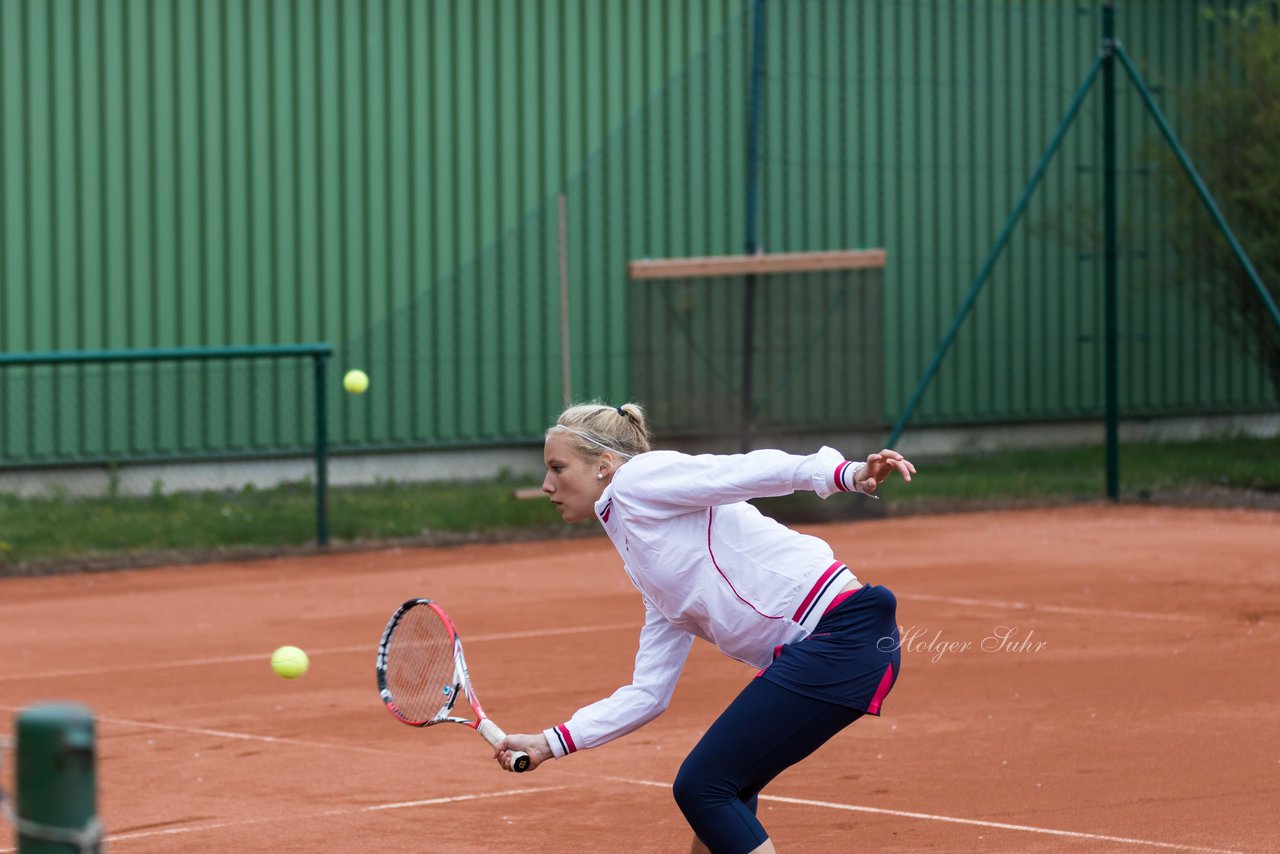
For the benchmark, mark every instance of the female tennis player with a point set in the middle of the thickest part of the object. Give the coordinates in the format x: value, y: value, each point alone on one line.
x: 710, y: 565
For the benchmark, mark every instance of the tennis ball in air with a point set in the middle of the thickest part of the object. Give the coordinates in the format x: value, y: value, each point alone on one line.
x: 289, y: 662
x: 355, y: 381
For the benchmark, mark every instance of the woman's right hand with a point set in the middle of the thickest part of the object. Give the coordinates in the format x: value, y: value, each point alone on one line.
x: 534, y: 745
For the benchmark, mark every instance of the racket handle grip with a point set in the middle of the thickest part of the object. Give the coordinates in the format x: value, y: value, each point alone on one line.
x: 494, y: 735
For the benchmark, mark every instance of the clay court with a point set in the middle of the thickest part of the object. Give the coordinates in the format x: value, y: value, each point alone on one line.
x: 1084, y: 679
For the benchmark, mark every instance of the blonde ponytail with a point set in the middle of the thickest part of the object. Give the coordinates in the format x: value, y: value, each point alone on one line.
x: 597, y: 427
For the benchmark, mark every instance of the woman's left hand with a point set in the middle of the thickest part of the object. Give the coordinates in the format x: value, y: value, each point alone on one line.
x: 879, y: 466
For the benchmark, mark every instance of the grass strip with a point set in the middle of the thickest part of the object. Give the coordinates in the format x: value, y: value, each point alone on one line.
x: 58, y: 529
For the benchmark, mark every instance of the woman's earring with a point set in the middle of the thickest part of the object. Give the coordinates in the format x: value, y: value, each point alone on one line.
x: 599, y: 476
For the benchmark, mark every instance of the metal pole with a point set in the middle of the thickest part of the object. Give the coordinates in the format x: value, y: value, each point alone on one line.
x: 989, y: 264
x: 564, y: 302
x: 322, y: 449
x: 753, y: 229
x: 1111, y: 368
x: 172, y: 354
x: 747, y: 425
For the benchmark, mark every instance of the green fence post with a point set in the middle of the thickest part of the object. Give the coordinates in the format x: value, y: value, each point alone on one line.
x: 752, y: 243
x: 56, y: 809
x: 322, y: 450
x: 1110, y: 288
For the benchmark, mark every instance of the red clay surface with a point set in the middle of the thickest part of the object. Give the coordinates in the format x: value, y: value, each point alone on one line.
x: 1136, y: 700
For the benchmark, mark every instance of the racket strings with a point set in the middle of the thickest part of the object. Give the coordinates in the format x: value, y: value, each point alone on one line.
x: 420, y: 665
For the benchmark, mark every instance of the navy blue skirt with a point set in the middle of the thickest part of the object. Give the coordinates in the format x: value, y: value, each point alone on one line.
x: 853, y: 656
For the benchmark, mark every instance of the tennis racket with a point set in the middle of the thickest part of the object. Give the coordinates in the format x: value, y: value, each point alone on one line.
x: 421, y: 672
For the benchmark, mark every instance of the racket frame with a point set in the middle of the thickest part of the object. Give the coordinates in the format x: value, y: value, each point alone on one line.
x: 490, y: 731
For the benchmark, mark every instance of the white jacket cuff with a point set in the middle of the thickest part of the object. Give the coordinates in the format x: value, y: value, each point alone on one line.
x: 829, y: 473
x: 560, y: 740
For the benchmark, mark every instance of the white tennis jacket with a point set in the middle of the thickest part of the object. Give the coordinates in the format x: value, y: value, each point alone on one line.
x: 709, y: 565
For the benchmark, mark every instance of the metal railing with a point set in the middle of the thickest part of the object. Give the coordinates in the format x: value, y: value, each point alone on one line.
x: 70, y: 421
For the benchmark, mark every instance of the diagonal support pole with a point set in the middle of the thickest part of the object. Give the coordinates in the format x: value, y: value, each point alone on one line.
x: 1001, y: 241
x: 1205, y: 196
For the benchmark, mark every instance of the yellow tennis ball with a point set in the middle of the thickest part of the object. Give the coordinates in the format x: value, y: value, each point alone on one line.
x: 289, y: 662
x: 355, y: 381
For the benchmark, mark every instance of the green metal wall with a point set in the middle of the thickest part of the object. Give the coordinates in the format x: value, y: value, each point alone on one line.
x: 260, y: 171
x: 242, y: 170
x: 915, y: 125
x: 383, y: 176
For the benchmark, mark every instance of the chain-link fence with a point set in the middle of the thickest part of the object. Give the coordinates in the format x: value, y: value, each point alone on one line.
x: 909, y: 126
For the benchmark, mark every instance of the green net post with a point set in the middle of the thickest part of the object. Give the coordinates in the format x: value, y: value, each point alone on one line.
x: 56, y: 805
x: 322, y: 448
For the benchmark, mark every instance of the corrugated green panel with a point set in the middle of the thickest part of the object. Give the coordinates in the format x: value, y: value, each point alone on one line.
x: 1176, y: 360
x: 384, y: 177
x: 957, y: 103
x: 222, y: 173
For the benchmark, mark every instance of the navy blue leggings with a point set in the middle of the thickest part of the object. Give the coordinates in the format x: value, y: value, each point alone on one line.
x: 764, y: 731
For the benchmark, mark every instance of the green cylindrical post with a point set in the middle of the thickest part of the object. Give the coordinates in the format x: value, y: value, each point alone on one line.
x: 56, y: 780
x: 322, y: 449
x: 1110, y: 254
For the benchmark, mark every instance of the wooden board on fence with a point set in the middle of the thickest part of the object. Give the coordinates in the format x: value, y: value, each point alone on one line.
x: 763, y: 263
